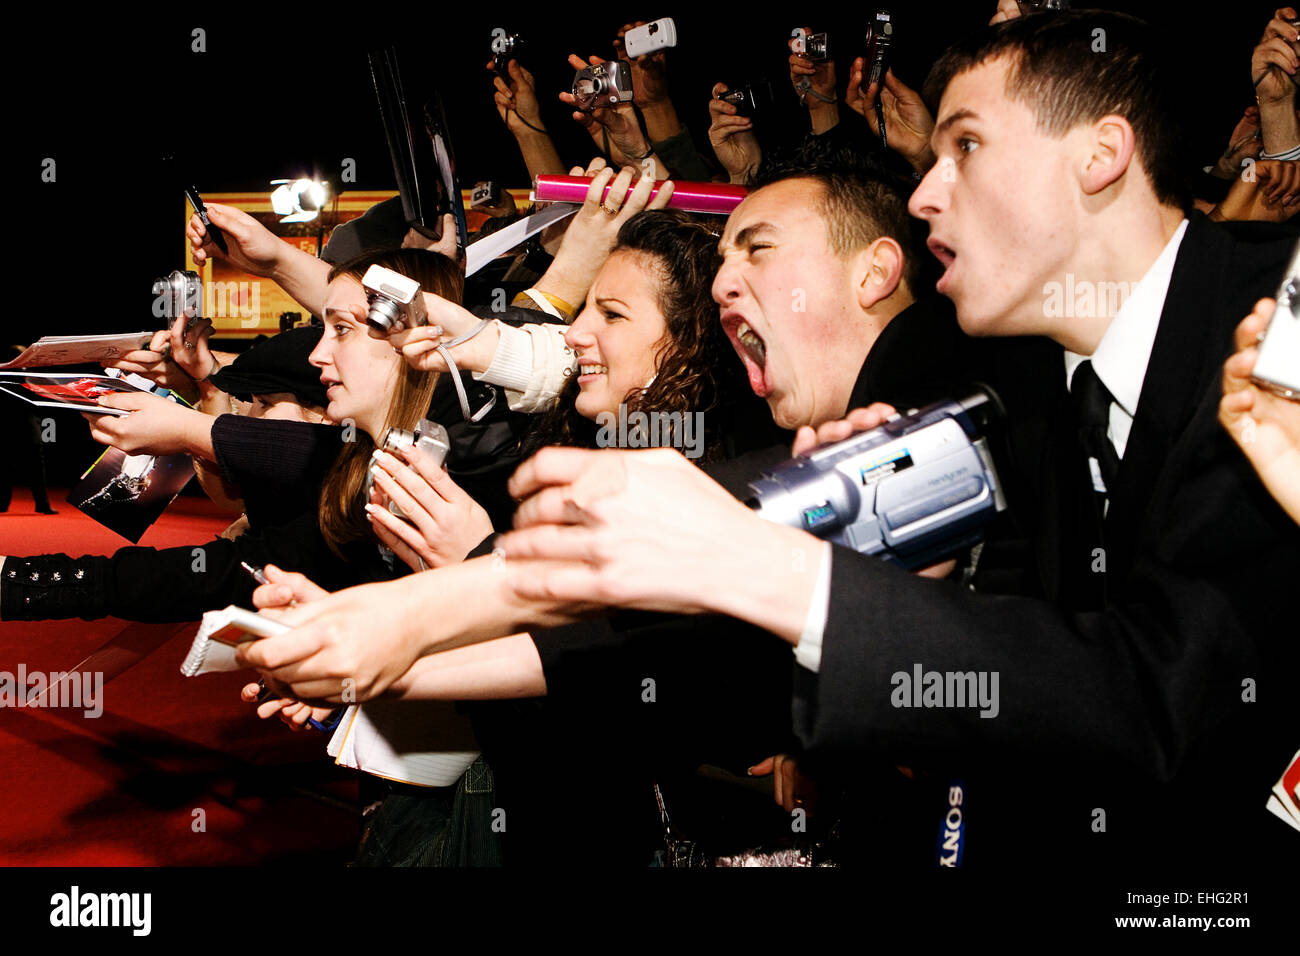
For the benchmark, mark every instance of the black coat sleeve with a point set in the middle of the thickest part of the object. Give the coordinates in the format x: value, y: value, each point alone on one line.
x: 1137, y: 685
x: 174, y: 584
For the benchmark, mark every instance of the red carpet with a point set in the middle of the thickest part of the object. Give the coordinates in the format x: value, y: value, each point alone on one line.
x: 176, y: 771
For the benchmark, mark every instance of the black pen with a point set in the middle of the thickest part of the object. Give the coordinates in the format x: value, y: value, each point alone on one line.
x: 214, y: 232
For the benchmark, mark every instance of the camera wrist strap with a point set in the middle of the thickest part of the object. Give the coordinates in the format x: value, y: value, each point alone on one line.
x: 444, y: 350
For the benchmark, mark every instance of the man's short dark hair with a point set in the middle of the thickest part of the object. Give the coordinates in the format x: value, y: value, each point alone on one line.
x: 1075, y: 67
x: 862, y: 200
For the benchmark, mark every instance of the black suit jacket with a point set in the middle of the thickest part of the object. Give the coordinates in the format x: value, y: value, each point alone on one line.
x: 721, y: 687
x: 1149, y: 691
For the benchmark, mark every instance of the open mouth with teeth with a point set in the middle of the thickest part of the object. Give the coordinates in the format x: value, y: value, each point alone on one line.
x: 753, y: 352
x: 588, y: 371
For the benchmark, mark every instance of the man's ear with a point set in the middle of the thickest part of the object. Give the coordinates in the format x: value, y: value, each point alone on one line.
x: 879, y: 271
x: 1109, y: 148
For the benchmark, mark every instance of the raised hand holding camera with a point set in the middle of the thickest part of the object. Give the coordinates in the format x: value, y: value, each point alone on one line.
x: 812, y: 73
x: 732, y: 135
x: 601, y: 96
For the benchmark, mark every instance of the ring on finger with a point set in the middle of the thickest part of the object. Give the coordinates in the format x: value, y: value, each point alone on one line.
x: 608, y: 211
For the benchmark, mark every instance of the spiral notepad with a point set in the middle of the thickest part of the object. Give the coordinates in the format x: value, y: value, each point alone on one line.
x: 213, y: 650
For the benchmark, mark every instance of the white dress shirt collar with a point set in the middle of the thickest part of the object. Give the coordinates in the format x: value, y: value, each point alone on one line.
x: 1121, y: 358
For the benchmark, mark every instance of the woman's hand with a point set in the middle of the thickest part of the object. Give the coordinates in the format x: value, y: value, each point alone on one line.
x: 292, y: 711
x: 1265, y: 426
x: 253, y: 248
x: 188, y: 347
x: 156, y: 426
x: 445, y: 524
x: 593, y: 229
x: 285, y: 589
x: 447, y: 320
x: 346, y: 647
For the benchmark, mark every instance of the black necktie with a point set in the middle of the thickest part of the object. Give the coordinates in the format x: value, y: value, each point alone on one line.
x: 1091, y: 400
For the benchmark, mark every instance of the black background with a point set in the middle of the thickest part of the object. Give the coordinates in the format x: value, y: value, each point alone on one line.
x: 283, y: 92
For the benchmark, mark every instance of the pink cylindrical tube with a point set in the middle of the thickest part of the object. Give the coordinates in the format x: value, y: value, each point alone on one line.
x: 720, y: 198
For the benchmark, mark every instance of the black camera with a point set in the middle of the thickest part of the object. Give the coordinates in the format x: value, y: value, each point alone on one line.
x: 812, y: 46
x: 485, y: 194
x: 749, y: 98
x: 880, y: 37
x: 505, y: 47
x: 605, y: 84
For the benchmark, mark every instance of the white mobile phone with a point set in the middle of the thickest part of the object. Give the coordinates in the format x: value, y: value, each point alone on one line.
x: 650, y: 38
x: 1278, y: 365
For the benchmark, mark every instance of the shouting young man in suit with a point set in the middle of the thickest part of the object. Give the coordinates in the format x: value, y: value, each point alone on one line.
x: 1143, y: 644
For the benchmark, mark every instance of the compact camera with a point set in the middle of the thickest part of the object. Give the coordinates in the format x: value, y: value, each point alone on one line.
x: 1278, y: 365
x: 812, y: 46
x: 485, y: 194
x: 395, y: 301
x: 650, y: 38
x: 605, y: 84
x: 749, y: 98
x: 916, y: 490
x: 505, y: 47
x: 428, y: 437
x: 879, y: 39
x: 178, y: 293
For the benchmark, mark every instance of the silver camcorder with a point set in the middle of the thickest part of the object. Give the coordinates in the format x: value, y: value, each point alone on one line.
x: 916, y: 490
x: 1278, y: 365
x: 395, y: 301
x: 178, y: 293
x: 605, y: 84
x: 429, y: 437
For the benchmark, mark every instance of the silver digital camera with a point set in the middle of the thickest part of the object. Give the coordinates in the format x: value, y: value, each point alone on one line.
x: 395, y: 301
x: 1278, y: 365
x: 812, y: 46
x: 178, y: 293
x: 429, y: 437
x: 916, y: 490
x: 605, y: 84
